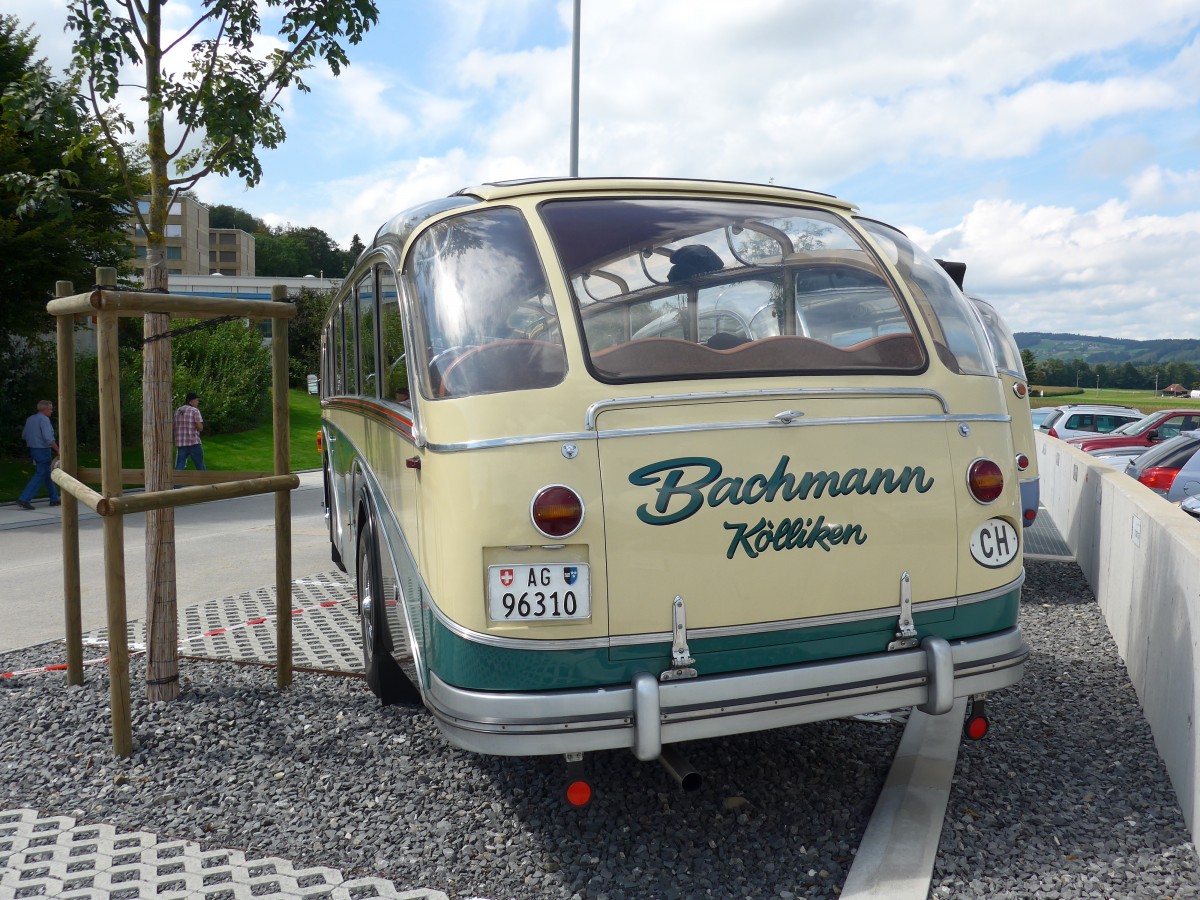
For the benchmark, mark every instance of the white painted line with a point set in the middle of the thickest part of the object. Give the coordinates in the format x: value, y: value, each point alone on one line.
x: 895, y: 859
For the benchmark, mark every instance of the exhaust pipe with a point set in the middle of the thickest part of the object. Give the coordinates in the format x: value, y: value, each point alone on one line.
x: 680, y: 769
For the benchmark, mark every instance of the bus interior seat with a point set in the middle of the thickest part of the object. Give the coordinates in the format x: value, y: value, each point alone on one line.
x: 509, y: 365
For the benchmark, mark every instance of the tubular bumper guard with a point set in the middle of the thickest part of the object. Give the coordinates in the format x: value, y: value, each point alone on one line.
x: 647, y: 713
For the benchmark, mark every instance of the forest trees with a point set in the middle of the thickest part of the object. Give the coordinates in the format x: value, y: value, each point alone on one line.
x: 62, y: 214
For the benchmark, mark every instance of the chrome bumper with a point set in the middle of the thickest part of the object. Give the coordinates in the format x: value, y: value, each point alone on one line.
x: 647, y: 713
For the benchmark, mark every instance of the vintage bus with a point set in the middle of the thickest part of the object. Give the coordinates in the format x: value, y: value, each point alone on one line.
x: 623, y: 463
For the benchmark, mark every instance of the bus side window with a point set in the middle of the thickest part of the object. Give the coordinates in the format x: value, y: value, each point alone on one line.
x: 365, y: 292
x: 337, y: 352
x: 348, y: 342
x: 393, y: 363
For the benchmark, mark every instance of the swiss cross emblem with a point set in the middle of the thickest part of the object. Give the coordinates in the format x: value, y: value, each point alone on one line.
x: 506, y: 577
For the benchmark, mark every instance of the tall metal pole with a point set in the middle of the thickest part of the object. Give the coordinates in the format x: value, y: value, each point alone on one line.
x: 575, y: 94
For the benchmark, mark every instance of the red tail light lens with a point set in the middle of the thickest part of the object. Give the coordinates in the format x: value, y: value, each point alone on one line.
x: 557, y: 511
x: 1022, y: 462
x: 1158, y: 478
x: 985, y: 480
x: 1052, y: 432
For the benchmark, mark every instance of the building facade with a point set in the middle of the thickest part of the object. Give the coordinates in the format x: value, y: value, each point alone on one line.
x: 230, y: 252
x: 192, y: 248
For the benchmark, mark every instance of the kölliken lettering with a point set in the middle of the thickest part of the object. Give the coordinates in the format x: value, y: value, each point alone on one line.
x: 678, y: 500
x: 792, y: 534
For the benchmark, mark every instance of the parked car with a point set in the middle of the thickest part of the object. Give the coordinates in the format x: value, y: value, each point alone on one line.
x: 1084, y: 420
x: 1191, y: 506
x: 1039, y: 415
x: 1171, y: 469
x: 1154, y: 428
x: 1118, y: 457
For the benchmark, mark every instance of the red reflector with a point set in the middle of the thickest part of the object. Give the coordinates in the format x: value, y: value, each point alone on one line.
x: 557, y: 511
x: 1158, y: 478
x: 579, y: 793
x: 985, y: 480
x: 1030, y: 515
x: 977, y: 727
x: 1022, y: 462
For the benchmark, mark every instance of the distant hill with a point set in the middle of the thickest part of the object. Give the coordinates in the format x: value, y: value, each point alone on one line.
x: 1095, y: 350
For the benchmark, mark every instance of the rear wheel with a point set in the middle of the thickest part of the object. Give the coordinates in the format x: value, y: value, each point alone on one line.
x: 384, y: 676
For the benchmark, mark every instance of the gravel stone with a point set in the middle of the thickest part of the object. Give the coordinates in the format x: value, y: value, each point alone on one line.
x: 1066, y: 797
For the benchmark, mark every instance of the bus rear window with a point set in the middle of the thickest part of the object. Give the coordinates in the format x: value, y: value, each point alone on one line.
x: 675, y: 288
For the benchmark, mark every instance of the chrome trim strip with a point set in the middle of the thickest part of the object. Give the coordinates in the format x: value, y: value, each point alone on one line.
x: 518, y: 441
x: 716, y: 426
x: 664, y: 637
x: 599, y: 406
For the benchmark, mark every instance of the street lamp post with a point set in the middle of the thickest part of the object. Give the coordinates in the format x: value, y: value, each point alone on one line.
x: 575, y: 94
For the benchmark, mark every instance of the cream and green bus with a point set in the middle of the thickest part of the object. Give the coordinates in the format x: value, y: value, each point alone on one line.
x: 624, y: 463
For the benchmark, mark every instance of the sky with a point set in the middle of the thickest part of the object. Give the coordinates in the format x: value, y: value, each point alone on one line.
x: 1054, y: 147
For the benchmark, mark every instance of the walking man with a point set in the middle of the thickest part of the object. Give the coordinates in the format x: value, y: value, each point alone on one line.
x: 39, y: 437
x: 188, y: 425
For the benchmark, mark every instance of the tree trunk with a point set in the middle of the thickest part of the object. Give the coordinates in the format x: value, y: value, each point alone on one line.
x: 162, y: 617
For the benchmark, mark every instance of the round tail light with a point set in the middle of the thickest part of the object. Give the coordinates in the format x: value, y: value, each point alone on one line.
x: 1020, y: 390
x: 557, y: 511
x: 1022, y: 462
x: 985, y: 480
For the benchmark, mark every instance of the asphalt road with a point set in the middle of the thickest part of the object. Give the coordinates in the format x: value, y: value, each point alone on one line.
x: 222, y: 548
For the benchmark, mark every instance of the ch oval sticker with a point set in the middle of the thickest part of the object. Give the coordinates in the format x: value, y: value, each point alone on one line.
x: 995, y: 543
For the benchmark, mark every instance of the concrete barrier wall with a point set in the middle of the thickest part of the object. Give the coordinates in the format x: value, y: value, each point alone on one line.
x: 1141, y: 556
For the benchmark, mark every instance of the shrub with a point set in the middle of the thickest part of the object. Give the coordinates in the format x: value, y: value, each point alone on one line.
x: 228, y: 366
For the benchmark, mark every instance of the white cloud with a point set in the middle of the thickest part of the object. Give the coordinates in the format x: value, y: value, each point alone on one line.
x: 1100, y: 271
x: 1155, y: 185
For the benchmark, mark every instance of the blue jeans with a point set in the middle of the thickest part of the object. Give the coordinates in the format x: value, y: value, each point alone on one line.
x: 41, y: 475
x: 195, y: 453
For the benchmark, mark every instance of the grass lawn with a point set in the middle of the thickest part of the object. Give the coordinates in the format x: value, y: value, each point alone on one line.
x: 1146, y: 401
x: 247, y: 451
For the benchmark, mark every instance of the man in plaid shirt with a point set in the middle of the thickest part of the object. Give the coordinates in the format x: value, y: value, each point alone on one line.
x: 188, y: 425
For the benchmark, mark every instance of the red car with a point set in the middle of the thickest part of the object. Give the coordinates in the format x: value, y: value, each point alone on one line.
x: 1145, y: 432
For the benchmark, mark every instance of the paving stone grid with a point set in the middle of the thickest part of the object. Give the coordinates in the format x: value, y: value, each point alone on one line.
x: 325, y: 635
x: 52, y: 856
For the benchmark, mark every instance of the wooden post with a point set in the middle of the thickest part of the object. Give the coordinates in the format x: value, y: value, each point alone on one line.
x: 283, y: 498
x: 162, y: 613
x: 69, y: 462
x: 109, y: 365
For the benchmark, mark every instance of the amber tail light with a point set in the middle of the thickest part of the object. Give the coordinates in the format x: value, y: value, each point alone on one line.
x: 985, y: 480
x: 557, y: 511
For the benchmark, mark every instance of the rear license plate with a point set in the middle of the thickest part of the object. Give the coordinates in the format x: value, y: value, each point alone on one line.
x: 539, y: 593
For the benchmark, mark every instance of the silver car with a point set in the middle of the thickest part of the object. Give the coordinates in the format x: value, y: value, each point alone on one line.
x: 1087, y: 420
x: 1172, y: 468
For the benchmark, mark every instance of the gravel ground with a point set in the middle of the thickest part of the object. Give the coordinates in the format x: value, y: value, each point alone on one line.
x: 1065, y: 798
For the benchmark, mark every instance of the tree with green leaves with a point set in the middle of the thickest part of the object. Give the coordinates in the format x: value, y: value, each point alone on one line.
x: 222, y: 97
x: 62, y: 200
x: 62, y: 214
x: 222, y: 215
x: 211, y: 100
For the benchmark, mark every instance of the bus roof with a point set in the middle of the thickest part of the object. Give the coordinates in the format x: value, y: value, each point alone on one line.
x: 532, y: 186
